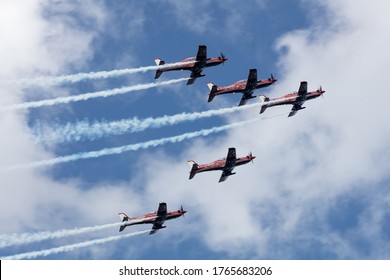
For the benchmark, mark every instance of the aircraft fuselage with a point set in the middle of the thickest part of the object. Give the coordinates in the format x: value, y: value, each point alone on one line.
x: 220, y: 164
x: 241, y: 86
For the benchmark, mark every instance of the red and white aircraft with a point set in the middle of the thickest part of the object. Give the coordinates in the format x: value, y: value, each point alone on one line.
x: 194, y: 64
x: 226, y: 165
x: 296, y: 99
x: 156, y: 218
x: 246, y: 87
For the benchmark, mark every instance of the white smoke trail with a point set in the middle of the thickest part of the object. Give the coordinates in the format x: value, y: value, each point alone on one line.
x: 86, y: 96
x: 85, y: 130
x: 67, y: 248
x: 26, y: 238
x: 73, y: 78
x: 131, y: 147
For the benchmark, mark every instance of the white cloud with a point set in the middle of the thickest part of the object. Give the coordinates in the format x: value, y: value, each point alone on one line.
x: 272, y: 209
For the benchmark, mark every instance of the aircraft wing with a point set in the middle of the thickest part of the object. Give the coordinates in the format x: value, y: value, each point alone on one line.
x: 223, y: 177
x: 229, y: 164
x: 245, y: 97
x: 302, y: 89
x: 293, y: 112
x: 250, y: 87
x: 231, y: 156
x: 230, y: 161
x: 202, y: 53
x: 200, y: 62
x: 193, y: 78
x: 196, y: 72
x: 161, y: 216
x: 156, y: 226
x: 252, y: 79
x: 162, y: 209
x: 243, y: 100
x: 302, y: 94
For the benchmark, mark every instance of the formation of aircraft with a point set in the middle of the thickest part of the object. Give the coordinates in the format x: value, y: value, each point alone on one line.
x: 296, y: 99
x: 246, y: 87
x: 225, y: 164
x: 194, y: 64
x: 156, y: 218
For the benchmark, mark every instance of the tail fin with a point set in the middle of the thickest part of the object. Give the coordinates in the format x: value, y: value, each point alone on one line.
x: 213, y: 89
x: 159, y: 61
x: 194, y: 167
x: 263, y: 98
x: 158, y: 72
x: 124, y: 218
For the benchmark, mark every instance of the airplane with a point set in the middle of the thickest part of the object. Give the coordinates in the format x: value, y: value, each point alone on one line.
x: 296, y: 99
x: 246, y: 87
x: 226, y: 165
x: 156, y: 218
x: 194, y: 64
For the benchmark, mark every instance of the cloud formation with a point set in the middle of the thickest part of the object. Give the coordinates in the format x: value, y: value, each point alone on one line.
x: 318, y: 186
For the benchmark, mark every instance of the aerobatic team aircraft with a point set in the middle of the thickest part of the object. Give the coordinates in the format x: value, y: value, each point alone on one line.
x: 194, y: 64
x: 226, y: 165
x: 296, y: 99
x: 156, y: 218
x: 247, y: 87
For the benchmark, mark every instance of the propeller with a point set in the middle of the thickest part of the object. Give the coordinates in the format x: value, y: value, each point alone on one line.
x: 250, y: 155
x: 320, y: 90
x: 223, y: 58
x: 181, y: 210
x: 272, y: 77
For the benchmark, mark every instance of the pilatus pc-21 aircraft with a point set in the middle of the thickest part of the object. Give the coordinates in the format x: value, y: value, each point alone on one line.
x: 246, y: 87
x: 296, y: 99
x: 156, y: 218
x: 194, y: 64
x: 226, y: 165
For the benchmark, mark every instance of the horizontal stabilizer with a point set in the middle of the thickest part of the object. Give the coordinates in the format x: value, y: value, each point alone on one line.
x: 158, y: 74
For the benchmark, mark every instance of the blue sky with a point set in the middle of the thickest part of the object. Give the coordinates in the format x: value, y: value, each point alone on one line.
x: 318, y: 188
